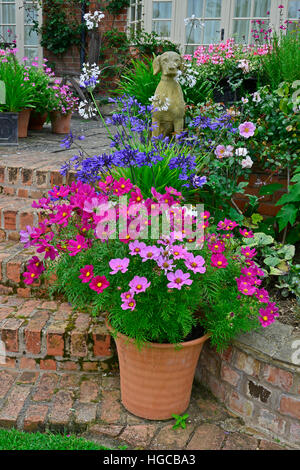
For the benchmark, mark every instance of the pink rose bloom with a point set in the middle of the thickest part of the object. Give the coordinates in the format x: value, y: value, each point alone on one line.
x: 119, y: 264
x: 99, y: 283
x: 139, y: 284
x: 87, y: 273
x: 247, y: 129
x: 178, y: 279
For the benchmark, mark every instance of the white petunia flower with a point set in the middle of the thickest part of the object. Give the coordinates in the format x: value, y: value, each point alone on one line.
x: 241, y: 152
x: 247, y: 162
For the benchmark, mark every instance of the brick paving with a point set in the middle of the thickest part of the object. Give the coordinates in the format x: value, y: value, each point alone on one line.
x: 88, y: 404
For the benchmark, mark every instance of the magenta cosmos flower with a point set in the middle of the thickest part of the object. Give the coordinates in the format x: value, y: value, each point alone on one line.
x: 87, y: 273
x: 178, y: 279
x: 265, y: 317
x: 119, y: 264
x: 218, y: 261
x: 139, y: 284
x: 246, y: 233
x: 247, y: 129
x: 75, y: 246
x: 195, y: 264
x: 99, y: 283
x: 248, y: 252
x: 122, y: 186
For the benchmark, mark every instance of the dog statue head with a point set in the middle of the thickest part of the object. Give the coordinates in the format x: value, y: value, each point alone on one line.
x: 168, y: 63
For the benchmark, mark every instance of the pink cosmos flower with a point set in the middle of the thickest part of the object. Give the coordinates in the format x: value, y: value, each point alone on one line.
x: 129, y: 304
x: 50, y: 251
x: 196, y: 264
x: 217, y: 247
x: 150, y: 252
x: 272, y: 309
x: 99, y: 283
x: 119, y: 264
x: 122, y: 186
x: 136, y: 247
x: 178, y: 279
x: 76, y: 246
x: 87, y: 273
x: 218, y: 261
x: 26, y: 236
x: 262, y: 295
x: 136, y: 196
x: 30, y: 277
x: 59, y: 192
x: 246, y: 288
x: 125, y: 296
x: 265, y: 317
x: 62, y: 216
x: 35, y: 265
x: 165, y: 264
x: 249, y: 271
x: 139, y: 284
x: 205, y: 215
x: 179, y: 252
x: 246, y: 233
x: 248, y: 252
x: 247, y: 129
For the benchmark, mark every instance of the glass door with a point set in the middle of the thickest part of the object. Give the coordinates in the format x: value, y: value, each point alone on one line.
x: 7, y: 22
x: 247, y: 19
x: 203, y: 23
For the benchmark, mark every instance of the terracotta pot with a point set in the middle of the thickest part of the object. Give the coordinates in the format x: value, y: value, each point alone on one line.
x: 156, y: 381
x: 23, y: 121
x: 37, y: 120
x: 60, y: 123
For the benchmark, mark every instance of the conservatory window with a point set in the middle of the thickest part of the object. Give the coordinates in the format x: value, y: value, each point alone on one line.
x: 204, y: 26
x: 136, y: 15
x: 162, y: 18
x: 7, y: 21
x: 293, y: 14
x: 244, y: 12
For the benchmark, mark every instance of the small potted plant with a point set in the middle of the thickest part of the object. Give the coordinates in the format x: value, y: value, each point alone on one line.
x: 163, y: 293
x: 19, y: 90
x: 43, y: 96
x: 63, y: 105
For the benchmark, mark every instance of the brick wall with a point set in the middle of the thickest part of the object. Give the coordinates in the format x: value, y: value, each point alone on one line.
x: 69, y: 62
x: 263, y: 392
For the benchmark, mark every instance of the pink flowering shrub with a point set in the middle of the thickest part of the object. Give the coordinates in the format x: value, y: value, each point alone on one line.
x: 109, y: 255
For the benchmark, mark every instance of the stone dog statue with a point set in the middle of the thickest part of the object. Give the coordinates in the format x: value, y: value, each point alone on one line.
x: 168, y: 101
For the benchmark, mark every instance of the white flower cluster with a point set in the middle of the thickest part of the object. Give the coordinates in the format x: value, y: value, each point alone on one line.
x: 89, y: 76
x: 244, y: 65
x: 87, y: 110
x: 188, y: 78
x: 247, y: 162
x: 158, y: 104
x: 194, y: 22
x: 92, y: 20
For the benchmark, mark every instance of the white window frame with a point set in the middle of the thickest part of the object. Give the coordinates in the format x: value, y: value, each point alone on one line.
x: 179, y: 12
x: 20, y: 31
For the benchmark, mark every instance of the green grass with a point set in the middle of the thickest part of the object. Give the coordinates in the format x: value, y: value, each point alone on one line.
x: 19, y: 440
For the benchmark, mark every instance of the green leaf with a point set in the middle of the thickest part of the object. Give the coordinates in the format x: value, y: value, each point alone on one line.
x: 2, y: 92
x: 270, y: 188
x: 292, y: 196
x: 276, y: 272
x: 272, y: 261
x: 256, y: 218
x: 288, y: 251
x: 286, y: 215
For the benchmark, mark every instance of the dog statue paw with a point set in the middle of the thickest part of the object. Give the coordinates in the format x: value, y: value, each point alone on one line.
x: 168, y: 101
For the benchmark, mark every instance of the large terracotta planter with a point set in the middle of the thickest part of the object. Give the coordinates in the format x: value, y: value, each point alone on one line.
x: 37, y: 121
x: 23, y: 122
x: 60, y: 123
x: 156, y: 381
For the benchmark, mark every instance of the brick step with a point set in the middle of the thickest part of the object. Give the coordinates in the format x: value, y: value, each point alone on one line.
x: 15, y: 214
x: 48, y: 335
x: 13, y: 260
x: 32, y: 177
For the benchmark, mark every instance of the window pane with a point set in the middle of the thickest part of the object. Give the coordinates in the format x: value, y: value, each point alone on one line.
x: 213, y: 8
x: 8, y: 33
x: 261, y: 7
x: 162, y: 28
x: 132, y: 13
x: 31, y: 53
x: 195, y: 7
x: 193, y: 35
x: 242, y: 8
x: 8, y: 14
x: 162, y: 10
x: 30, y: 37
x: 294, y: 7
x: 30, y: 14
x: 212, y: 31
x: 241, y: 30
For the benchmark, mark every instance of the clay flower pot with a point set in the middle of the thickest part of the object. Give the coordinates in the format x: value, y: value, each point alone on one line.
x: 156, y: 380
x: 60, y: 123
x: 23, y: 121
x: 36, y: 121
